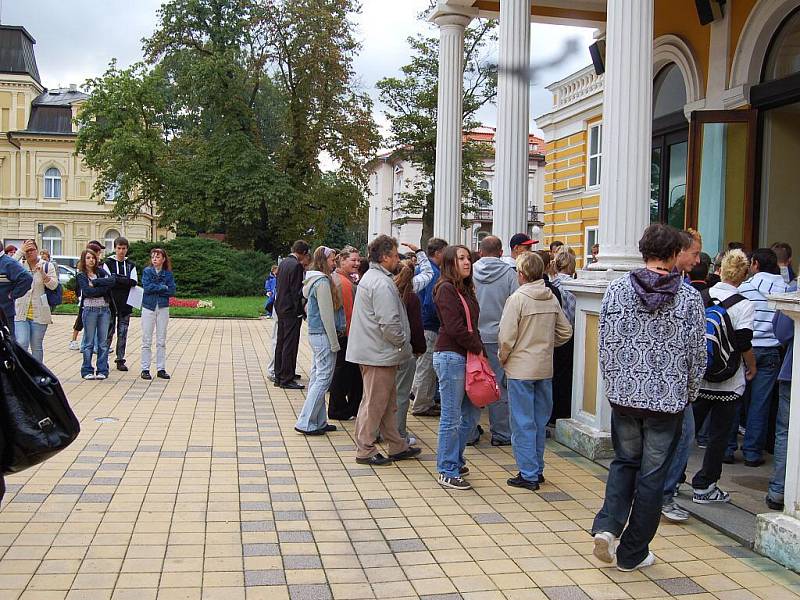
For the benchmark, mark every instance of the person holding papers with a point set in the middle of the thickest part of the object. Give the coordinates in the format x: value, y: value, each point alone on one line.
x: 123, y: 273
x: 159, y: 285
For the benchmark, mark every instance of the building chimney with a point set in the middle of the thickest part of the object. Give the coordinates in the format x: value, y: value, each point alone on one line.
x: 73, y: 87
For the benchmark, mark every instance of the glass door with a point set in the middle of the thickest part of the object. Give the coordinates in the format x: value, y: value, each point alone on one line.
x: 722, y: 177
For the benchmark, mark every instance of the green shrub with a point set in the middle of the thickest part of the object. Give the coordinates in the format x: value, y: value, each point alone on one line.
x: 204, y: 267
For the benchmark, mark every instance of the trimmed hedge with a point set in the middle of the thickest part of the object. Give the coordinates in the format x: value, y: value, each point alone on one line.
x: 204, y: 267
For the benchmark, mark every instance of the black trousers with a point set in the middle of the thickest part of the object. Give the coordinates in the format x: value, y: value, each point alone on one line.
x: 562, y: 381
x: 119, y: 324
x: 286, y: 349
x: 347, y: 387
x: 721, y: 415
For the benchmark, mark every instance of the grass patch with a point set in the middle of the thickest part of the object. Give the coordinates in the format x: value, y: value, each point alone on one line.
x: 245, y: 307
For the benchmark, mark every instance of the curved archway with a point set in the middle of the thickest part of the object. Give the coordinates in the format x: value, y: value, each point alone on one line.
x: 672, y: 49
x: 754, y: 42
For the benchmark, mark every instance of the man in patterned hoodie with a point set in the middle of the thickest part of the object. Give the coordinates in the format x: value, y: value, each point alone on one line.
x: 652, y: 358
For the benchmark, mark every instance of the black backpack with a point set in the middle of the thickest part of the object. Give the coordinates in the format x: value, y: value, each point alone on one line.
x: 722, y: 357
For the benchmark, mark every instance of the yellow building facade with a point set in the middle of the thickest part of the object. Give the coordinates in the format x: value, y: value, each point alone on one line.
x: 725, y: 106
x: 46, y: 191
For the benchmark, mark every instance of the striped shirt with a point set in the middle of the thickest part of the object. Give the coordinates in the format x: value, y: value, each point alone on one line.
x: 756, y: 289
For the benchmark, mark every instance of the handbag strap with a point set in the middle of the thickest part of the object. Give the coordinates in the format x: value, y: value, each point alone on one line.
x: 466, y: 311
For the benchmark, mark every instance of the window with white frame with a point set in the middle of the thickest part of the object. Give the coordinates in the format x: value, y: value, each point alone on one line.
x: 52, y: 240
x: 52, y: 183
x: 595, y: 157
x: 109, y: 238
x: 590, y: 239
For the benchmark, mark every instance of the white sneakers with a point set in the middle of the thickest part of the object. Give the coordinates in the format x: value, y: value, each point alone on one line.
x: 605, y: 544
x: 648, y: 561
x: 74, y: 345
x: 605, y: 549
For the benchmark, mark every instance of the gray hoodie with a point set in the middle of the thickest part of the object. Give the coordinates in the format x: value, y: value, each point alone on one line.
x: 495, y: 280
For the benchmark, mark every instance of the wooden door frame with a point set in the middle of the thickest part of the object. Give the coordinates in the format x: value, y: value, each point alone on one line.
x: 696, y: 122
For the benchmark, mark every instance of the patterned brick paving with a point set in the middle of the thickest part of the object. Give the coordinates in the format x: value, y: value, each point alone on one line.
x: 200, y: 489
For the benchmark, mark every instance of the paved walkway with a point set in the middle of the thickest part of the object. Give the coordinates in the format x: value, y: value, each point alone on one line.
x: 200, y: 488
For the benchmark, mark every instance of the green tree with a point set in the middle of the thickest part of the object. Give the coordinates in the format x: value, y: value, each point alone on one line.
x: 221, y: 141
x: 411, y: 107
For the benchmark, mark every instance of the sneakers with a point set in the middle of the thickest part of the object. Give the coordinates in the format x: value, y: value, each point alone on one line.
x: 121, y: 366
x: 146, y: 375
x: 88, y: 376
x: 605, y: 546
x: 673, y: 512
x: 410, y: 452
x: 648, y: 561
x: 464, y: 471
x: 454, y: 483
x: 411, y: 440
x: 100, y: 376
x: 773, y: 504
x: 710, y: 495
x: 520, y: 482
x: 74, y: 345
x: 162, y: 374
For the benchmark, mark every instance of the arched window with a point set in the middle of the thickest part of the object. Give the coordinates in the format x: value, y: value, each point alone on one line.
x: 484, y: 184
x: 669, y: 91
x: 109, y: 238
x: 52, y: 240
x: 52, y: 183
x: 783, y: 58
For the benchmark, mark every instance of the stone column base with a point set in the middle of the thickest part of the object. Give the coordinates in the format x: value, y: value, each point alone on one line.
x: 778, y: 537
x: 592, y: 443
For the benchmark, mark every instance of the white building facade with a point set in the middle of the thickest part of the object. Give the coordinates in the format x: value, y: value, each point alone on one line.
x: 391, y: 175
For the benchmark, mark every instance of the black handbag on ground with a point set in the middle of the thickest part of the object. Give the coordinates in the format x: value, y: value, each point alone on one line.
x: 36, y: 419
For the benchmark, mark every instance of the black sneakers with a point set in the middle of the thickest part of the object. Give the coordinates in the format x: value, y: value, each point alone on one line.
x: 376, y: 460
x: 409, y: 452
x: 146, y: 375
x: 162, y: 374
x: 521, y: 482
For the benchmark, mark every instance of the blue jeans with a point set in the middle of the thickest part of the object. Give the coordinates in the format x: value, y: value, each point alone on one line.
x: 498, y: 411
x: 95, y: 320
x: 677, y: 467
x: 459, y: 416
x: 30, y: 334
x: 775, y: 492
x: 314, y: 415
x: 768, y: 364
x: 643, y: 448
x: 531, y: 403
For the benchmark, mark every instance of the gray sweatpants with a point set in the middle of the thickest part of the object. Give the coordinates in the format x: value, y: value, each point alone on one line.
x: 154, y: 319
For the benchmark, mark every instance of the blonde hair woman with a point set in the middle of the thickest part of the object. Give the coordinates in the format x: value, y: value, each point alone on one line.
x: 719, y: 401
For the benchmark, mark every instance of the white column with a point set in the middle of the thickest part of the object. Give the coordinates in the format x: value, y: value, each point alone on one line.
x: 447, y: 179
x: 777, y: 533
x: 627, y: 133
x: 513, y: 119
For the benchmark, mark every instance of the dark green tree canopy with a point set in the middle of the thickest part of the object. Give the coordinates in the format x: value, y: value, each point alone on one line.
x: 221, y: 127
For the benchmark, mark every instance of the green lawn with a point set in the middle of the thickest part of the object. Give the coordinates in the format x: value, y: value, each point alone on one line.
x: 247, y: 307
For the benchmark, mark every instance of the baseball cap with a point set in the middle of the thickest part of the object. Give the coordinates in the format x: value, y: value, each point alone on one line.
x: 520, y: 239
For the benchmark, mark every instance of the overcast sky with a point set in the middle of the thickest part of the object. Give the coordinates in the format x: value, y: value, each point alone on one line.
x: 75, y: 40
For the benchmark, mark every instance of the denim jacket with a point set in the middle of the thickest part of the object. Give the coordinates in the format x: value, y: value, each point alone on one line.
x: 158, y: 287
x: 322, y: 318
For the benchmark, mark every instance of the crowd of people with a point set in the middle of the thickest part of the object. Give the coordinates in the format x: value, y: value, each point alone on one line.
x: 390, y: 333
x: 29, y: 280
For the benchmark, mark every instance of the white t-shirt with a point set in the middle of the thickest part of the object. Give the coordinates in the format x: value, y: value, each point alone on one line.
x: 741, y: 315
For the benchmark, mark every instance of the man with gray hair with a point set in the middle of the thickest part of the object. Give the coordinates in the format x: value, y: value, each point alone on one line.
x: 495, y: 280
x: 379, y: 341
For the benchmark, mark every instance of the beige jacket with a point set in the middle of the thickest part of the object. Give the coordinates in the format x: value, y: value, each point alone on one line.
x: 532, y: 324
x: 41, y: 310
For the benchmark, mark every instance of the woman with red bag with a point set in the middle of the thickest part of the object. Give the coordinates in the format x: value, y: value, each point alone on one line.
x: 459, y: 415
x: 532, y: 324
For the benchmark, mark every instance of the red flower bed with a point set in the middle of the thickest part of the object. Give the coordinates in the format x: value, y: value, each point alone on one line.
x: 176, y: 302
